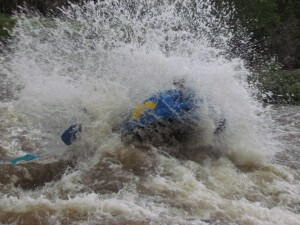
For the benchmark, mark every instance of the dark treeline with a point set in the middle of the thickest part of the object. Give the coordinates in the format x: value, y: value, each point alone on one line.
x: 43, y: 6
x: 274, y: 25
x: 274, y: 30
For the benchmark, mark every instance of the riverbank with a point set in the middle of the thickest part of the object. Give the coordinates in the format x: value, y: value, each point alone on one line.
x: 6, y: 25
x: 277, y: 86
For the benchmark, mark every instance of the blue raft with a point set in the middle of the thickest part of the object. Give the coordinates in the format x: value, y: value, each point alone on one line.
x: 164, y: 116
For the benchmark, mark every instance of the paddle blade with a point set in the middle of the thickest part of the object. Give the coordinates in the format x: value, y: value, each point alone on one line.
x: 27, y: 157
x: 69, y: 135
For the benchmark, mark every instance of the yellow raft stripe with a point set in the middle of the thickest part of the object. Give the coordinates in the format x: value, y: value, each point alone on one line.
x: 138, y: 112
x: 139, y: 109
x: 149, y: 105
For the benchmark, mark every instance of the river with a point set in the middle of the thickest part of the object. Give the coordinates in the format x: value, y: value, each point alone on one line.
x: 92, y: 65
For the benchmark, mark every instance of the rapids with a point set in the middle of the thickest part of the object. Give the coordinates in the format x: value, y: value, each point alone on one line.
x: 106, y: 57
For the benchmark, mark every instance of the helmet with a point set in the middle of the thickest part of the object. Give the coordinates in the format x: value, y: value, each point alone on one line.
x: 179, y: 82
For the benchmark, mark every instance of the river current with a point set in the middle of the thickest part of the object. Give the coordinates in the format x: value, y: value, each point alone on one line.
x: 93, y: 64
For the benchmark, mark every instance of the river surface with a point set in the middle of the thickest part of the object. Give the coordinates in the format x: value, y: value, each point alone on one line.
x: 92, y: 65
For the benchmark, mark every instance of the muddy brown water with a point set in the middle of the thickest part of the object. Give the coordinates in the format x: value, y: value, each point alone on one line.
x: 146, y: 186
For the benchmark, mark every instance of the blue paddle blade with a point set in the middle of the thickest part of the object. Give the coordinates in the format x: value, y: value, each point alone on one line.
x: 27, y: 157
x: 69, y: 135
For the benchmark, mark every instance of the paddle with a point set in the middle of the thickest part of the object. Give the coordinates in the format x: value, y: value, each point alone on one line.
x: 70, y: 134
x: 26, y: 157
x: 67, y: 137
x: 29, y: 157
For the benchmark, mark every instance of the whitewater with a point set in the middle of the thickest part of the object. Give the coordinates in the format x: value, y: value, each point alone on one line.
x: 91, y: 64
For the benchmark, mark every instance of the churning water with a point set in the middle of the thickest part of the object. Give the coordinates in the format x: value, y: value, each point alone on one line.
x: 91, y: 65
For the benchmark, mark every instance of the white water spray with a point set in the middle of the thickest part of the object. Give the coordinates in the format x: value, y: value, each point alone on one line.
x: 109, y: 56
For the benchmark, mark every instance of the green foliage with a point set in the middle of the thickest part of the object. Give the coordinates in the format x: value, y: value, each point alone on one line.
x: 272, y: 25
x: 257, y: 16
x: 274, y: 30
x: 280, y: 86
x: 6, y: 25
